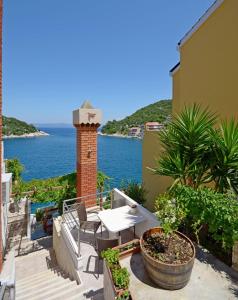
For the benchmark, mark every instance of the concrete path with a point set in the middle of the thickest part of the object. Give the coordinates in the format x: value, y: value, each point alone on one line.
x: 210, y: 280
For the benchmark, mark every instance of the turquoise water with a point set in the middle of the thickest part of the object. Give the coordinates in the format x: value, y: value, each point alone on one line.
x: 55, y: 155
x: 35, y: 206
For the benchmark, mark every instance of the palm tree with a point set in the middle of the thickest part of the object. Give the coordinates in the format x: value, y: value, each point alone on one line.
x: 187, y: 147
x: 224, y: 169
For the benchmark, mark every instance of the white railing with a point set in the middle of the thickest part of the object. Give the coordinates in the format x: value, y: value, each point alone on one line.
x: 8, y: 278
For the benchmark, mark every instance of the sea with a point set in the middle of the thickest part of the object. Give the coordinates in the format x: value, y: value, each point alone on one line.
x: 55, y: 155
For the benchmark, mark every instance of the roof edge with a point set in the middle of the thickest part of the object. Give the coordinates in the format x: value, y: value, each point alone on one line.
x: 198, y: 24
x: 174, y: 69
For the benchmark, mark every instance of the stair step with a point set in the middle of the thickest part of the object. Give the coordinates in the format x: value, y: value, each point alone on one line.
x: 75, y: 292
x: 55, y: 289
x: 84, y: 295
x: 47, y: 282
x: 37, y: 277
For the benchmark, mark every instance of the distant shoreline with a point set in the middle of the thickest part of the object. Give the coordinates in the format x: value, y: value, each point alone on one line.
x: 26, y: 135
x: 119, y: 135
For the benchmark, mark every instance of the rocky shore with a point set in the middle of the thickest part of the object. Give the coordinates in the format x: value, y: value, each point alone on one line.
x: 27, y: 135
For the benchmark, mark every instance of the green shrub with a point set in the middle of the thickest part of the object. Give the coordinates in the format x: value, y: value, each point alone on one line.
x: 121, y: 278
x: 204, y: 206
x: 135, y: 191
x: 15, y: 167
x: 56, y: 189
x: 106, y: 204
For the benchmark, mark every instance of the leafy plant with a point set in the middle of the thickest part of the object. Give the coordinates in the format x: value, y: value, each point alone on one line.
x: 169, y: 212
x: 56, y: 189
x: 39, y: 214
x: 102, y: 179
x: 187, y: 144
x: 106, y: 204
x: 195, y: 153
x: 121, y: 278
x: 135, y: 191
x: 18, y: 192
x: 224, y: 169
x: 111, y: 256
x: 205, y: 207
x: 15, y: 167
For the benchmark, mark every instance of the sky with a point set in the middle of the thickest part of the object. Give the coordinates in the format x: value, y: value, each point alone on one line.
x: 116, y: 53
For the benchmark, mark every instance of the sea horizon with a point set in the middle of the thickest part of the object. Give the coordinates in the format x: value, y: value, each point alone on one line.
x: 55, y: 155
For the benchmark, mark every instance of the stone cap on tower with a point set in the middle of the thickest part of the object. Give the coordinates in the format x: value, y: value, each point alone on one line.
x: 86, y: 114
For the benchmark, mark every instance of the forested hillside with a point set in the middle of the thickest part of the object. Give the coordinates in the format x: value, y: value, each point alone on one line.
x: 12, y: 126
x: 156, y: 112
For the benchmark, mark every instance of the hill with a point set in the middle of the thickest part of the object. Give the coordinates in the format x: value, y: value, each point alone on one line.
x: 12, y: 126
x: 156, y: 112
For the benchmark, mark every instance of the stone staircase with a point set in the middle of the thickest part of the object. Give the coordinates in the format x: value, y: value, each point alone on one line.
x: 50, y: 285
x: 40, y: 278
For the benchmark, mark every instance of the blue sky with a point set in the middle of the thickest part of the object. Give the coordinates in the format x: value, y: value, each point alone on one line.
x: 116, y: 53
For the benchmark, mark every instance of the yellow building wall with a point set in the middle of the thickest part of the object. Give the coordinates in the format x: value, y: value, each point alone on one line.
x: 208, y: 72
x: 208, y: 75
x: 153, y: 184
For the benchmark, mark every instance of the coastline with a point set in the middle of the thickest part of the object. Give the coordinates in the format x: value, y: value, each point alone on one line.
x: 27, y: 135
x: 119, y: 135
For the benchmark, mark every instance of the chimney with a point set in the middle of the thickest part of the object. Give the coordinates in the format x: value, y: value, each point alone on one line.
x: 86, y: 119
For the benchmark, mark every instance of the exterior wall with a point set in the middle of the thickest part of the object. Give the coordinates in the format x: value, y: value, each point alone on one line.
x: 207, y: 75
x: 87, y: 162
x: 176, y: 92
x: 209, y: 64
x: 154, y: 184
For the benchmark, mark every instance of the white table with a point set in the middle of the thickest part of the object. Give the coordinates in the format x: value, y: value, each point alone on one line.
x: 118, y: 219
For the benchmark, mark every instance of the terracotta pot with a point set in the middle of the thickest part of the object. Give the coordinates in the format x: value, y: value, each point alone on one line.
x: 167, y: 276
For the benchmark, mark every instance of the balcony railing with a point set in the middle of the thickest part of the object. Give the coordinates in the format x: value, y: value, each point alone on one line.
x: 70, y: 216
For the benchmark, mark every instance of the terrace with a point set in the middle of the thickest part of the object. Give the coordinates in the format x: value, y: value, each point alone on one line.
x: 77, y: 255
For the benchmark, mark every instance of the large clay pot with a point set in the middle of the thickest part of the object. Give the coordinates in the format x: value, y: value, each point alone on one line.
x: 167, y: 276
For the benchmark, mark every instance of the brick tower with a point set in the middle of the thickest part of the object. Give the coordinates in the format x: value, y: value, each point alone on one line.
x: 86, y: 120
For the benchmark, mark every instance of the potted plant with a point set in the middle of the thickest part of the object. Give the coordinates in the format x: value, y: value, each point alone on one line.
x: 168, y: 254
x: 39, y: 214
x: 128, y: 248
x: 116, y: 279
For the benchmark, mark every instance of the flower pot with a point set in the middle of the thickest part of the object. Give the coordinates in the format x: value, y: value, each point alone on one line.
x: 124, y: 252
x: 167, y: 276
x: 111, y: 292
